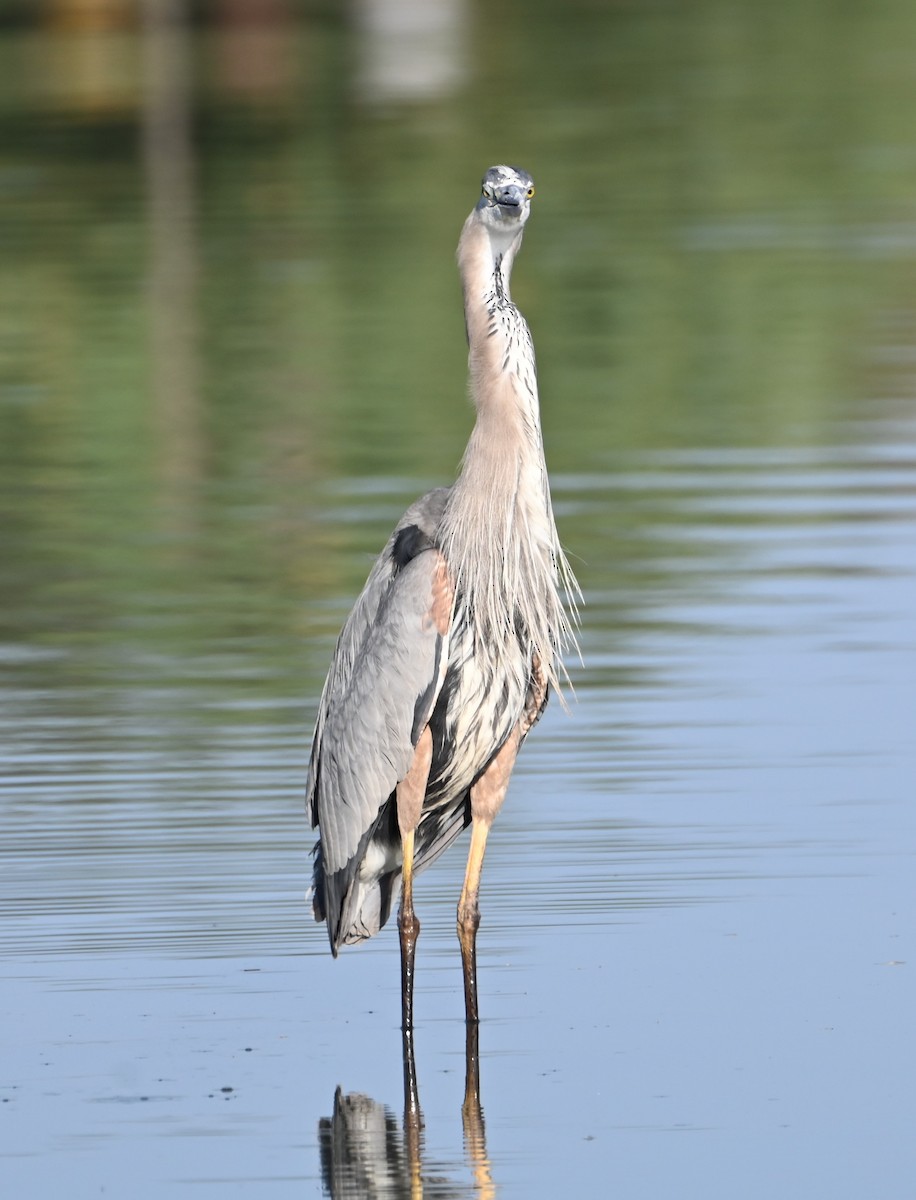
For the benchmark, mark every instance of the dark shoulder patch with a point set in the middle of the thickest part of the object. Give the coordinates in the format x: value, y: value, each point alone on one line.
x: 409, y: 542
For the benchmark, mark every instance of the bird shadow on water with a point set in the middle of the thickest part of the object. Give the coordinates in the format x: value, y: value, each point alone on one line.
x: 366, y: 1153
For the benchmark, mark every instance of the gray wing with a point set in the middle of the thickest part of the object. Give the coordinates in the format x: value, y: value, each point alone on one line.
x: 422, y: 517
x: 380, y: 692
x: 372, y: 726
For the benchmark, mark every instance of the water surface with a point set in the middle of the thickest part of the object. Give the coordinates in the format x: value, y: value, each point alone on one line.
x: 227, y: 363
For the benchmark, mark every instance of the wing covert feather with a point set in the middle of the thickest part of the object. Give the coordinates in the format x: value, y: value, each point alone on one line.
x: 424, y: 514
x: 377, y: 700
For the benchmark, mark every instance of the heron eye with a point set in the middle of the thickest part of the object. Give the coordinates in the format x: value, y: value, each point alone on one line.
x: 530, y: 192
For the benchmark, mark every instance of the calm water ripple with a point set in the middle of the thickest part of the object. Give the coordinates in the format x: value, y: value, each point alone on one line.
x: 153, y: 826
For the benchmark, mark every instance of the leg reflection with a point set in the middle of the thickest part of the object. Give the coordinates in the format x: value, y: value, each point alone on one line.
x: 475, y: 1135
x: 413, y: 1117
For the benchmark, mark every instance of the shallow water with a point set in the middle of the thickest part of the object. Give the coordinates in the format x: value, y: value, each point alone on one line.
x: 697, y: 902
x: 696, y: 905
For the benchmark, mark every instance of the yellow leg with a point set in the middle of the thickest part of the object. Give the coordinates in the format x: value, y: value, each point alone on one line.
x: 469, y: 916
x: 410, y: 793
x: 487, y: 796
x: 409, y: 929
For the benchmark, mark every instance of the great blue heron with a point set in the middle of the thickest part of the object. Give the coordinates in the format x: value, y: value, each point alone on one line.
x: 446, y: 660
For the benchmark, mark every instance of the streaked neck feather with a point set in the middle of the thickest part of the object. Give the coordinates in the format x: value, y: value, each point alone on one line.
x: 498, y: 530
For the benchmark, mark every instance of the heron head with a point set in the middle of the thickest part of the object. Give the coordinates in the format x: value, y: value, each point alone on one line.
x: 505, y: 199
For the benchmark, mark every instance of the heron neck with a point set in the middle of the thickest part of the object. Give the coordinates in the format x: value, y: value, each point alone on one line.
x: 503, y: 376
x: 485, y: 264
x: 498, y: 531
x: 504, y: 457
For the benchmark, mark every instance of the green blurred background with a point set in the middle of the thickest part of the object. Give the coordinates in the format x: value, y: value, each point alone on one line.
x: 231, y: 344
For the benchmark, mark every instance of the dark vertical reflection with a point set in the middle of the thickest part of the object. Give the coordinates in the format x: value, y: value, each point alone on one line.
x: 169, y: 167
x: 475, y: 1135
x: 364, y: 1153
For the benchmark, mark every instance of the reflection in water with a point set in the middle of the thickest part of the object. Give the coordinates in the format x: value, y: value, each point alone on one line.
x: 411, y: 51
x: 361, y: 1150
x: 255, y: 53
x: 475, y: 1135
x: 364, y: 1153
x: 86, y: 59
x: 169, y: 162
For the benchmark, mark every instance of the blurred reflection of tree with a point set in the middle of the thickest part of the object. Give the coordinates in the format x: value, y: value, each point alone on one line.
x: 255, y: 52
x: 410, y: 52
x: 169, y: 164
x: 89, y: 14
x: 88, y: 56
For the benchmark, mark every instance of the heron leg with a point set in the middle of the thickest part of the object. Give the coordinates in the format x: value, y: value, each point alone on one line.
x: 487, y: 795
x: 408, y: 929
x: 469, y: 917
x: 413, y: 1117
x: 410, y: 793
